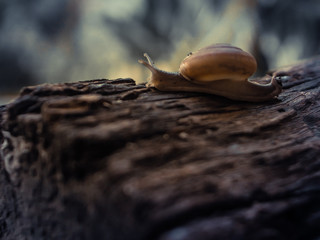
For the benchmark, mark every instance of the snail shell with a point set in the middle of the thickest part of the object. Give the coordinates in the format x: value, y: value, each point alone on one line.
x: 219, y: 69
x: 221, y: 62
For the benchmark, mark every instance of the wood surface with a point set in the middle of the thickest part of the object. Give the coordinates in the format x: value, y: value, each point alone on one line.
x: 106, y: 159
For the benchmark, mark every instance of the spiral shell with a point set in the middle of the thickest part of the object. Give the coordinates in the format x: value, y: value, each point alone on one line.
x: 217, y: 62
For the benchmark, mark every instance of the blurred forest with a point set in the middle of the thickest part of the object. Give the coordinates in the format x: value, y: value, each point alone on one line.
x: 70, y: 40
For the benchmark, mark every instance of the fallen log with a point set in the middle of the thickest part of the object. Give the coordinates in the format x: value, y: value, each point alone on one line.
x: 106, y: 159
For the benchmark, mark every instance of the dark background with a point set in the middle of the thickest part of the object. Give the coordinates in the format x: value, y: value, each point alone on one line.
x: 69, y: 40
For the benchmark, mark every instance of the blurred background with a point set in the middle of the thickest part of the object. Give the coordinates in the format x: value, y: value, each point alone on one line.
x: 69, y: 40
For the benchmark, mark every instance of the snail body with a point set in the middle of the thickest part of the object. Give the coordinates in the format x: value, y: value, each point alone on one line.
x: 219, y: 69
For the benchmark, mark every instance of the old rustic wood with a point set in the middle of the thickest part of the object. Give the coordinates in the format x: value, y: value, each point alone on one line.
x: 114, y: 160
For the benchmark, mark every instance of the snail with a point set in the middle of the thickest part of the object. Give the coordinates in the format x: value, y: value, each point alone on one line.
x: 219, y: 69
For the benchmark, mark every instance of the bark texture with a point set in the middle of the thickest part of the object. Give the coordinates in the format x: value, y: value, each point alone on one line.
x: 114, y: 160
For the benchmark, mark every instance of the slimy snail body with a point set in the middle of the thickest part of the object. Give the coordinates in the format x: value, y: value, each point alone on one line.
x: 219, y: 69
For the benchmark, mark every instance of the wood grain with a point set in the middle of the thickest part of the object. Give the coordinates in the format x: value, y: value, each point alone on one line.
x: 106, y: 159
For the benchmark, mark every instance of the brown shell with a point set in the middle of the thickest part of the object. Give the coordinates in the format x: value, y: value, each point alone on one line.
x: 216, y: 62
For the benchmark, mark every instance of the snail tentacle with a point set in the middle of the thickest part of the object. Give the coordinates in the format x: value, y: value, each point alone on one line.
x: 160, y: 79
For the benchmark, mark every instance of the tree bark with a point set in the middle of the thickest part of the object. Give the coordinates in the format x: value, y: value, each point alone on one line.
x: 105, y: 159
